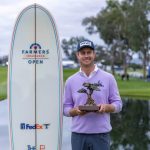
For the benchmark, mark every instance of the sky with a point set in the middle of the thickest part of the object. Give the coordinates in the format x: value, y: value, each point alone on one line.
x: 68, y: 15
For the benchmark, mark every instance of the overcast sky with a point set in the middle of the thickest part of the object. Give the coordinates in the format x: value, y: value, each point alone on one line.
x: 68, y: 15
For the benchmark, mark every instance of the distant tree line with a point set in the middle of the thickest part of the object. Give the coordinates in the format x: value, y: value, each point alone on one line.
x: 124, y: 27
x: 3, y: 60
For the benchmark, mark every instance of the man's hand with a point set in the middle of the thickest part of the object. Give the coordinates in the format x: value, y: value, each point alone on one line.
x: 106, y: 108
x: 75, y: 112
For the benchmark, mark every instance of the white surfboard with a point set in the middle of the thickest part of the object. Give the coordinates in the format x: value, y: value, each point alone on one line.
x: 35, y: 82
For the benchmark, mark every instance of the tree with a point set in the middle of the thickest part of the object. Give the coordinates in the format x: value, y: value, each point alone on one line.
x: 138, y: 29
x: 109, y: 24
x: 90, y: 88
x: 122, y: 25
x: 70, y: 46
x: 3, y: 59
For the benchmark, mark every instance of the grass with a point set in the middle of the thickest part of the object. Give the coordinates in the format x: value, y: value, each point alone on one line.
x: 3, y: 82
x: 68, y: 72
x: 134, y: 88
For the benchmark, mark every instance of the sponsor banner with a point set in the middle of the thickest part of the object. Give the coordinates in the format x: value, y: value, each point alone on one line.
x: 26, y: 126
x: 35, y: 54
x: 41, y: 147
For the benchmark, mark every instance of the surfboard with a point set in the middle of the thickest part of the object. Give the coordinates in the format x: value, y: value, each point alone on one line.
x: 35, y: 82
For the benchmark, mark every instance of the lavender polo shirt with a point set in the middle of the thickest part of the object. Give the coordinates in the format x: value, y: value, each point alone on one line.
x: 108, y: 94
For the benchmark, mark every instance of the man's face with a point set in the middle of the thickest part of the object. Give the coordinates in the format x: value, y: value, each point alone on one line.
x: 86, y: 57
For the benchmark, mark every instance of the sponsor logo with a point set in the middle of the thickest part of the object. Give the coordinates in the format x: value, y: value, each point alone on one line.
x: 35, y: 54
x: 35, y: 46
x: 41, y: 147
x: 85, y: 43
x: 25, y: 126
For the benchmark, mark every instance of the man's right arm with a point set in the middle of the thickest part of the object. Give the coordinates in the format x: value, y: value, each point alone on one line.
x: 75, y: 112
x: 68, y: 100
x: 68, y: 105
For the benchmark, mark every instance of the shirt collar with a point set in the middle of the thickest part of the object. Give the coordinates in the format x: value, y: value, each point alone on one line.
x: 91, y: 74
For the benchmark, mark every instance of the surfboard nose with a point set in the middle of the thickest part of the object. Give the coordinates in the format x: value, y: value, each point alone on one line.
x: 35, y: 82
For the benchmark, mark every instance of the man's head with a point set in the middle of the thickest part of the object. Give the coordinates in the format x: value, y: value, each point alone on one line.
x: 85, y: 53
x: 85, y: 44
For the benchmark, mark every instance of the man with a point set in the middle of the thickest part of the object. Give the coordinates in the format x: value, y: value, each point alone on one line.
x: 90, y: 130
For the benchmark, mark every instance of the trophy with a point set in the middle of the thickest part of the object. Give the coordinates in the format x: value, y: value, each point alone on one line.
x: 90, y: 105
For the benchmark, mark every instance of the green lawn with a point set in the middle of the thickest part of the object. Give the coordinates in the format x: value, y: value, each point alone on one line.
x: 3, y: 82
x: 134, y: 88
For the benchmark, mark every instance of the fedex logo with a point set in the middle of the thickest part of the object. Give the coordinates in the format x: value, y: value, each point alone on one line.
x: 25, y: 126
x: 42, y: 147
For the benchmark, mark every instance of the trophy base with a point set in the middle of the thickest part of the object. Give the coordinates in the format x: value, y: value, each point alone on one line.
x: 89, y: 108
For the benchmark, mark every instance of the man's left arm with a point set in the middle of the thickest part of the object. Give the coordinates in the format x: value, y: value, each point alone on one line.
x: 106, y: 108
x: 114, y: 98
